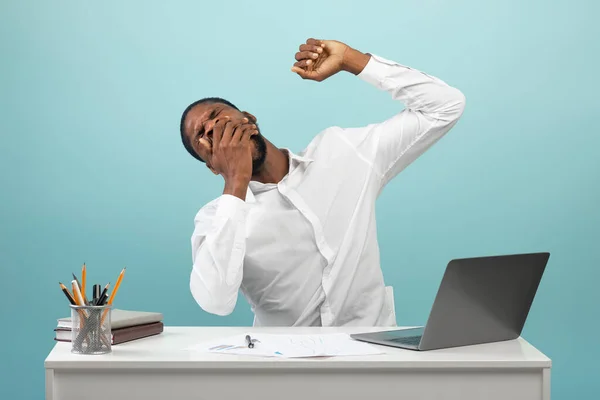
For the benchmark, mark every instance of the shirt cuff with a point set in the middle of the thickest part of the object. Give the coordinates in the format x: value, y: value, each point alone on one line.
x: 231, y: 207
x: 377, y: 70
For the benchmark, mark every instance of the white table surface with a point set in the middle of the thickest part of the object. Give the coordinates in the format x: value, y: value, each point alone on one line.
x: 167, y: 351
x: 160, y: 367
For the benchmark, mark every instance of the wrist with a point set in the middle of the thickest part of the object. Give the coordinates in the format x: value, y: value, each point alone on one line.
x: 354, y: 61
x: 236, y: 186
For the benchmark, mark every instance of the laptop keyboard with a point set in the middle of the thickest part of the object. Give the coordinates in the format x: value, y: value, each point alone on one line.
x: 410, y: 340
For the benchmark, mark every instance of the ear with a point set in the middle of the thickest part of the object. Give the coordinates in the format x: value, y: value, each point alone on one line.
x: 250, y: 117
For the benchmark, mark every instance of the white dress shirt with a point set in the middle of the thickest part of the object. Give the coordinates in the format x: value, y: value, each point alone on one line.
x: 304, y: 251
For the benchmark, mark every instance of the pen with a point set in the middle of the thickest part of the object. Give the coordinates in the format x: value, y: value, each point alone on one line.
x: 249, y: 341
x: 66, y: 292
x: 102, y: 297
x: 76, y: 279
x: 96, y: 293
x: 77, y: 293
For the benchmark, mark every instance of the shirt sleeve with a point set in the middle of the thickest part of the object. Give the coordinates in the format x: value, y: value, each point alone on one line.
x: 431, y: 109
x: 218, y: 249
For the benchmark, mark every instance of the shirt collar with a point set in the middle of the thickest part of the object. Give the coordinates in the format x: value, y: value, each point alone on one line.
x: 295, y: 160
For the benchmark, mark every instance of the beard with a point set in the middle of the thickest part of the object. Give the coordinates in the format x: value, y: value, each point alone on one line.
x: 259, y: 157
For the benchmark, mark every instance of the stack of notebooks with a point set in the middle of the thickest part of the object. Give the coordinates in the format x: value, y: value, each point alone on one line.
x: 125, y: 326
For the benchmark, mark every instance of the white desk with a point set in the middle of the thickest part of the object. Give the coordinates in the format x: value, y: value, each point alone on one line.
x: 158, y: 368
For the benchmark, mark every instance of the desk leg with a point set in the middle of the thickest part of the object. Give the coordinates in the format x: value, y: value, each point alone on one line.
x: 546, y: 384
x: 49, y: 384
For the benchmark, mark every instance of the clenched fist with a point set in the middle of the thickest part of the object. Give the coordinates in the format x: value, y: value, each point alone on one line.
x: 317, y: 60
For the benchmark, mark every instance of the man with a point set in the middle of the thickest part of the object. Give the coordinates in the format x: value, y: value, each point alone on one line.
x: 296, y: 233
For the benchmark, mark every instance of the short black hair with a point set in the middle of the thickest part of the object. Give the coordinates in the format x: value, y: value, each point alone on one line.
x: 186, y: 141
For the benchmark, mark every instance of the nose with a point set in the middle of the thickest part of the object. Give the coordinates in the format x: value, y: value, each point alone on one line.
x: 208, y: 127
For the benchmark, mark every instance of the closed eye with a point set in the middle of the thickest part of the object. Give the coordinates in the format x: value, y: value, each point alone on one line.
x: 213, y: 115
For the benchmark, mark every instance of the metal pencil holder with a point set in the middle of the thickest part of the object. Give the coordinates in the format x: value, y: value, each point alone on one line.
x: 90, y: 333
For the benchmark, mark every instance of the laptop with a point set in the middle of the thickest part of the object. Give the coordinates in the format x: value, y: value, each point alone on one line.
x: 480, y: 300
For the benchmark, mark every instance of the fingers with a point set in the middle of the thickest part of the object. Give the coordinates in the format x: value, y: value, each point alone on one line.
x: 303, y: 63
x: 205, y: 144
x: 306, y: 55
x: 217, y: 132
x: 315, y: 42
x: 224, y: 130
x: 238, y: 133
x: 304, y: 74
x: 228, y: 132
x: 307, y: 58
x: 243, y: 132
x: 311, y: 48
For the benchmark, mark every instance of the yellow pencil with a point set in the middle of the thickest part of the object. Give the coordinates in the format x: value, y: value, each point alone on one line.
x: 114, y: 291
x: 112, y: 294
x: 83, y: 271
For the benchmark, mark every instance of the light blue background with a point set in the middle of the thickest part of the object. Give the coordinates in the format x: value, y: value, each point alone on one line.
x: 92, y: 168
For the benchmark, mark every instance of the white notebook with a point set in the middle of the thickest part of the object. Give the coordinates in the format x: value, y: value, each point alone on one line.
x: 122, y: 319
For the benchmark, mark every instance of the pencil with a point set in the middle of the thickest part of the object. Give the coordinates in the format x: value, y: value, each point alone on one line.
x: 67, y: 294
x: 77, y: 293
x: 79, y: 286
x: 114, y: 291
x: 112, y: 294
x: 83, y: 273
x: 76, y: 279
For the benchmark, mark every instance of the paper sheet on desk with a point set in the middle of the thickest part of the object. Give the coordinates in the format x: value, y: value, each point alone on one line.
x: 290, y: 346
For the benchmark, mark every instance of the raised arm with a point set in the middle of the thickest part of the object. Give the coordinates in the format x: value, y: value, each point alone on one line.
x: 431, y: 107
